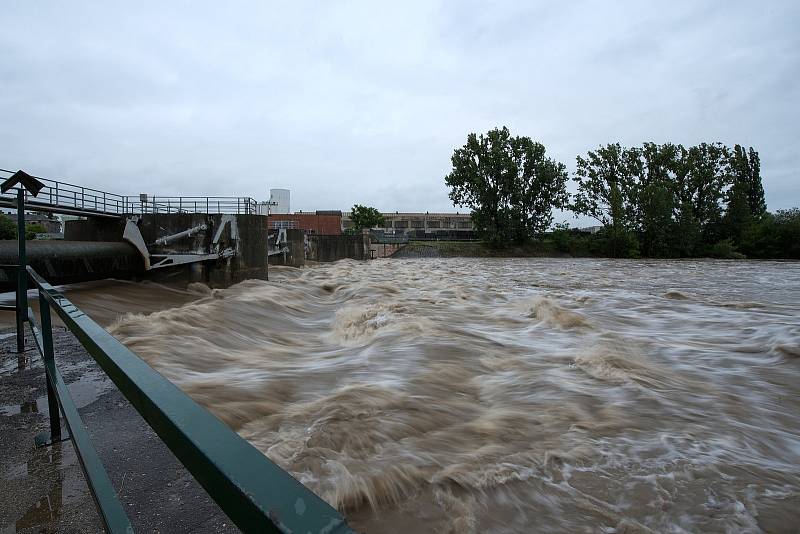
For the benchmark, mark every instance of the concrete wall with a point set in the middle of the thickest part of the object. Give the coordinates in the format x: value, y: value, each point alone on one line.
x: 337, y: 247
x: 246, y: 234
x: 324, y: 248
x: 296, y: 255
x: 251, y: 256
x: 248, y: 238
x: 384, y: 250
x: 94, y: 229
x: 313, y: 223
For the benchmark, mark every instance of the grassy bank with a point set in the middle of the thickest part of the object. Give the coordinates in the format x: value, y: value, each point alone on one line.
x: 476, y: 249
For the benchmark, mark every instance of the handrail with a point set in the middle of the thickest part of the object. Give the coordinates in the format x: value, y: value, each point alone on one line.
x: 113, y: 514
x: 256, y: 494
x: 63, y: 183
x: 71, y: 198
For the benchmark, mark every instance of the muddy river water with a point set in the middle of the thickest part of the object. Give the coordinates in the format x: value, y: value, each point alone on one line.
x: 520, y: 395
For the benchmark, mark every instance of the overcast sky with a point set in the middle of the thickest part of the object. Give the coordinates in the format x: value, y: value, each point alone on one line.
x: 346, y: 102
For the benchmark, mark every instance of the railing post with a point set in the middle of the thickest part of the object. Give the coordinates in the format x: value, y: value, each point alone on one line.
x: 49, y: 358
x: 22, y: 274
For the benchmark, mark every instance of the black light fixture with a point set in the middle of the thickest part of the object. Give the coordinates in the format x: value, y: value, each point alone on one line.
x: 31, y: 184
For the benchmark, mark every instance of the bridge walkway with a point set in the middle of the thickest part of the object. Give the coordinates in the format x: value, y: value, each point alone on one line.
x: 71, y: 199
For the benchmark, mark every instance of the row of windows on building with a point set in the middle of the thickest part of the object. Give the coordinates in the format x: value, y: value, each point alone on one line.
x: 430, y: 224
x: 280, y: 225
x: 324, y: 222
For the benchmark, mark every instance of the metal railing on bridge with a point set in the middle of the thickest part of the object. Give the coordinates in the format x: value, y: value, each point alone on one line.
x: 239, y: 205
x: 71, y: 199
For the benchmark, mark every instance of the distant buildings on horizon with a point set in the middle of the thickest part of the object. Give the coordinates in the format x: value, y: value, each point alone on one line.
x: 416, y: 224
x: 445, y: 225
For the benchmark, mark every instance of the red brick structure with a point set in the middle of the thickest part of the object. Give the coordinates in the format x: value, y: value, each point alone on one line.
x: 320, y: 222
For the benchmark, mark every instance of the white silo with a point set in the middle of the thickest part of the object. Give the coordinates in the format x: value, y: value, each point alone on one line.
x: 279, y: 201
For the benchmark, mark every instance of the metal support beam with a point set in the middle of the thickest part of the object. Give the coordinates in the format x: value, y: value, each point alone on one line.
x: 49, y: 358
x: 22, y: 275
x: 167, y: 239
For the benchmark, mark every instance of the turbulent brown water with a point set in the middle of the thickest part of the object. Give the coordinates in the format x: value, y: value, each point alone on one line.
x: 506, y: 395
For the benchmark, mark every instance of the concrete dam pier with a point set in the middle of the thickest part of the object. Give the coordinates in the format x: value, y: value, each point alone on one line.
x: 216, y: 249
x: 218, y: 241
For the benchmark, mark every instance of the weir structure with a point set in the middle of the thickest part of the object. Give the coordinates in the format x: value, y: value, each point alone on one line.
x: 256, y: 494
x: 219, y: 240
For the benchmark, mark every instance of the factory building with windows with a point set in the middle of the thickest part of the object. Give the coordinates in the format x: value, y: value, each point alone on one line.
x: 424, y: 225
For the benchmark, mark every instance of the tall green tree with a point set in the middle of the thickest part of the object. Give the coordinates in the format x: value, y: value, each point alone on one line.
x: 657, y: 206
x: 606, y: 180
x: 657, y: 192
x: 708, y: 176
x: 686, y: 236
x: 509, y: 184
x: 737, y: 213
x: 365, y: 217
x: 745, y: 168
x: 608, y: 191
x: 659, y: 163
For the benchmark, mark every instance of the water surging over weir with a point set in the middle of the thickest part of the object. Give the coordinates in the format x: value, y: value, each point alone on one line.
x: 508, y: 395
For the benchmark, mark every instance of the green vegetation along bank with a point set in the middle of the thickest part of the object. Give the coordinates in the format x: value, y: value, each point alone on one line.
x: 654, y: 200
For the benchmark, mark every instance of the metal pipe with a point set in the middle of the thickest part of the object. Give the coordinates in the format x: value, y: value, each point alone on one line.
x: 71, y: 261
x: 167, y: 239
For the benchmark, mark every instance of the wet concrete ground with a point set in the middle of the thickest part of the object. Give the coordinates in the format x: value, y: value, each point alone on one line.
x: 43, y: 489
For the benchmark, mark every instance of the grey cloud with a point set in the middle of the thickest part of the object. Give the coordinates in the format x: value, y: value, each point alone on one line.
x: 365, y: 102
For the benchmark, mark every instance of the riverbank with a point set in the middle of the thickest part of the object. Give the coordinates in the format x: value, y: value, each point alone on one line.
x: 546, y: 248
x: 476, y: 249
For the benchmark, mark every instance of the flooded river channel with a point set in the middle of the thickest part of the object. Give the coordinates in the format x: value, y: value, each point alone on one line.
x: 513, y: 395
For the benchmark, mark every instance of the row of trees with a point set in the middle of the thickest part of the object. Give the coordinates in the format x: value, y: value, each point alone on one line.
x: 656, y: 200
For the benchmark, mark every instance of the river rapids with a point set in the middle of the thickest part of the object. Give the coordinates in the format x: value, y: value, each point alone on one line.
x: 508, y: 395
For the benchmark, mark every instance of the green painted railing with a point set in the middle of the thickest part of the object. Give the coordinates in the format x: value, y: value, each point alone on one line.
x: 256, y: 494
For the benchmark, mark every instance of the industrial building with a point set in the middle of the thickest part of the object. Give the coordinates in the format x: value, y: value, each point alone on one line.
x: 424, y: 225
x: 278, y: 203
x: 319, y: 222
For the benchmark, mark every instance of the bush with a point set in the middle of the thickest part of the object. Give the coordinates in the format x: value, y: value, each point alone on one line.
x: 724, y: 250
x: 8, y: 228
x: 32, y: 229
x: 561, y: 237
